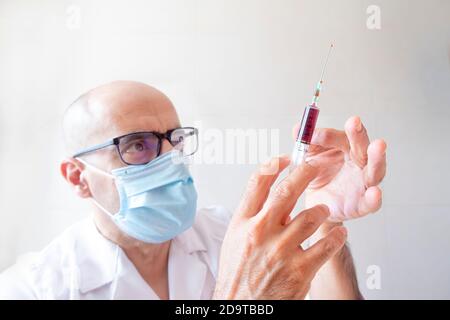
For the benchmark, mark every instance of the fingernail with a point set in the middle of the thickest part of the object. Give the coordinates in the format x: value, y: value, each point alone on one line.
x: 359, y: 125
x: 325, y: 208
x: 344, y: 231
x: 327, y: 211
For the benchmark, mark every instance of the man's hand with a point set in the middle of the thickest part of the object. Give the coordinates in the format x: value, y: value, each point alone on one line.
x: 350, y: 170
x: 261, y: 256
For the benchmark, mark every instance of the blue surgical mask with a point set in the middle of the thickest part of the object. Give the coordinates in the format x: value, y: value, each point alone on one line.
x: 158, y: 200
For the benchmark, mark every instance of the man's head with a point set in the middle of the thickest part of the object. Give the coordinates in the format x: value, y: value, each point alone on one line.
x: 103, y: 113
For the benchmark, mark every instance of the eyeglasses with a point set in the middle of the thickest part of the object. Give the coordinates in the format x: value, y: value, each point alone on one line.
x: 139, y: 148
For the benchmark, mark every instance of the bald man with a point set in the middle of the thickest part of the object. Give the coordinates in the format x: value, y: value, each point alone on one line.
x: 146, y: 238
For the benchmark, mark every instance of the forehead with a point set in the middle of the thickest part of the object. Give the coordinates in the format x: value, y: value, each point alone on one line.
x: 124, y: 111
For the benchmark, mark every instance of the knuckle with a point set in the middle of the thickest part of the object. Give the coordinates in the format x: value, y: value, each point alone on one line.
x: 255, y: 232
x: 284, y: 191
x: 310, y: 220
x: 340, y: 238
x: 254, y: 181
x: 314, y: 216
x: 329, y: 247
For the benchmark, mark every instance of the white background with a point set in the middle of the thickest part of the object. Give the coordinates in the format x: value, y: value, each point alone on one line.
x: 240, y: 64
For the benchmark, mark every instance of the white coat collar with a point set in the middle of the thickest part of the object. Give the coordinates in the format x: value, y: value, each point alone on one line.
x: 96, y: 260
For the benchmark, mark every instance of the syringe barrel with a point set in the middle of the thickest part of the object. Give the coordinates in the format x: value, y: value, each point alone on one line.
x: 299, y: 153
x: 305, y: 134
x: 309, y: 120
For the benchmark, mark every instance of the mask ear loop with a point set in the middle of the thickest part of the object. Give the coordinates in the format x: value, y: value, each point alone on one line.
x: 100, y: 171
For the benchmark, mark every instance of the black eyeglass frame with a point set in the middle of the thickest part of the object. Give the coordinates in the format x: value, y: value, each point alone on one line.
x: 115, y: 141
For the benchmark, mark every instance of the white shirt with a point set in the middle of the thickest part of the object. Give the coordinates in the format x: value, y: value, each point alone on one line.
x: 82, y: 264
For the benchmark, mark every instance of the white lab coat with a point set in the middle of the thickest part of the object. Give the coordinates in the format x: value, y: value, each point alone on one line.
x: 82, y: 264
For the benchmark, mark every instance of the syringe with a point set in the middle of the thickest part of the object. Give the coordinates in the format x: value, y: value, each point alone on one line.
x: 308, y: 123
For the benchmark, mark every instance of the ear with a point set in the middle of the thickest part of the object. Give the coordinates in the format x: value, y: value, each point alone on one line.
x: 71, y: 170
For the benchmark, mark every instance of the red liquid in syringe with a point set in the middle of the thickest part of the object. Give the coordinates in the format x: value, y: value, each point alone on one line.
x: 309, y: 120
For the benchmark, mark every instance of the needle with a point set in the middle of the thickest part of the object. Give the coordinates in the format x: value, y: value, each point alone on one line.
x: 319, y: 84
x: 326, y: 62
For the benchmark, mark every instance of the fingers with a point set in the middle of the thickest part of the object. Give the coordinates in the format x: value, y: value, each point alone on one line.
x: 358, y: 139
x: 305, y: 224
x: 284, y: 197
x: 325, y: 248
x: 370, y: 201
x: 331, y: 138
x: 326, y: 137
x: 376, y: 163
x: 259, y: 185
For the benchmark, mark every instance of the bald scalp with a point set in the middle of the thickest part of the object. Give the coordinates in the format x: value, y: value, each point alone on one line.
x: 73, y: 116
x: 114, y: 109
